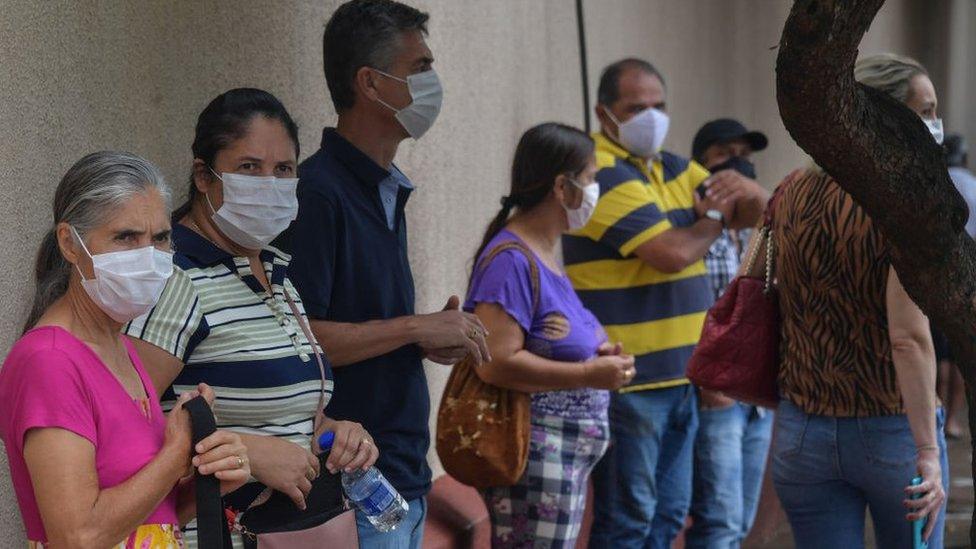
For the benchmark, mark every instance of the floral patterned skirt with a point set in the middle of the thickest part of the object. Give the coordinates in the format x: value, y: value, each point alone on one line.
x: 147, y: 536
x: 545, y: 508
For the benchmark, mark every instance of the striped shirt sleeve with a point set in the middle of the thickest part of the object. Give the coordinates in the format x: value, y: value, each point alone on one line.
x: 175, y: 324
x: 628, y: 214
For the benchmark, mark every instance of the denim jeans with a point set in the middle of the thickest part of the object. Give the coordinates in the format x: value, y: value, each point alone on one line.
x: 642, y: 486
x: 730, y: 457
x: 408, y: 535
x: 828, y: 470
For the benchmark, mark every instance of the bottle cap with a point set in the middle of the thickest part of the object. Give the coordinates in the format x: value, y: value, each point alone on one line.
x: 325, y: 441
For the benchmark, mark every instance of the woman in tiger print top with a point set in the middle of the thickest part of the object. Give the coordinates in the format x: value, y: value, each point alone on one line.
x: 859, y: 416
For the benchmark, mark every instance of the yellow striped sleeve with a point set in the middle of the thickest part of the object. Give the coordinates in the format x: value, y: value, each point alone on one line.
x: 612, y: 274
x: 627, y: 215
x: 644, y: 236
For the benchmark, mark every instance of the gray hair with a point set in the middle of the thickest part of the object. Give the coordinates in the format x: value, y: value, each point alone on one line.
x: 889, y: 73
x: 89, y: 193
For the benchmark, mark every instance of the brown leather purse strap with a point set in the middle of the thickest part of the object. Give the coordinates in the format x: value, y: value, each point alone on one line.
x: 529, y: 255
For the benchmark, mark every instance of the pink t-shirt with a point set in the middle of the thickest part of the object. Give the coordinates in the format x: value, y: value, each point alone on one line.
x: 52, y: 379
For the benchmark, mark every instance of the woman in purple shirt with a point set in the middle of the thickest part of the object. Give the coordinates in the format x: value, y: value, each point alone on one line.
x: 543, y: 341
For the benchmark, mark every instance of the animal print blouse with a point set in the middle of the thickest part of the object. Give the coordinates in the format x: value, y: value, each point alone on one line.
x: 832, y: 270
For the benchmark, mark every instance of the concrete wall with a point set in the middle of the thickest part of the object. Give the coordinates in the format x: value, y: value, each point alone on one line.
x: 79, y: 76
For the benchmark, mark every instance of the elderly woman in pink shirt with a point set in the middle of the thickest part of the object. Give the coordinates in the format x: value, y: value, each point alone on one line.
x: 94, y: 460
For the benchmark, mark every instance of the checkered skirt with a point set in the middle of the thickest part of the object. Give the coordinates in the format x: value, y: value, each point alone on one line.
x: 545, y: 508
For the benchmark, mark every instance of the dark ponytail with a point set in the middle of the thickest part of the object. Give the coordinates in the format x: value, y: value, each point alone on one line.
x: 51, y: 275
x: 543, y: 153
x: 226, y: 120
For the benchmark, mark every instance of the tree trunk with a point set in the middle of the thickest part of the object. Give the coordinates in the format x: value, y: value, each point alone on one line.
x: 883, y: 155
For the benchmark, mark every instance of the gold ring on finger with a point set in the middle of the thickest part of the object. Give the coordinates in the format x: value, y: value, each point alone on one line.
x: 240, y: 462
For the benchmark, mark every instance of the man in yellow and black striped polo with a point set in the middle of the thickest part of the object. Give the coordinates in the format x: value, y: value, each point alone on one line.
x: 638, y: 266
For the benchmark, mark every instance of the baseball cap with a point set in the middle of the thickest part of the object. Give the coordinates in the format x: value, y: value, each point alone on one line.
x: 724, y: 130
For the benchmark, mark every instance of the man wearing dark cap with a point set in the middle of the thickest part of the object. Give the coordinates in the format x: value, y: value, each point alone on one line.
x: 723, y: 147
x: 733, y: 438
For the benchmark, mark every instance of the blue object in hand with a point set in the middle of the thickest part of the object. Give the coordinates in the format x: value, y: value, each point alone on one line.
x: 371, y: 493
x: 918, y: 526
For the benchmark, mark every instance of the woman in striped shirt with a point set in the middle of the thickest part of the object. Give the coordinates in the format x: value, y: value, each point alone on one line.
x: 225, y: 317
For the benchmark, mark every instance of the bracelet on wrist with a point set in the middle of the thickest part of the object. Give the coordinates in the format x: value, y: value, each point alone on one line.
x: 927, y: 448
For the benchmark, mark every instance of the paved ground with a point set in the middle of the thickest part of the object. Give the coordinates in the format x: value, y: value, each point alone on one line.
x: 960, y: 511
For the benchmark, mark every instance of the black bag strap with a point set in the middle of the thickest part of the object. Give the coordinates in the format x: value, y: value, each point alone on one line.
x: 212, y: 530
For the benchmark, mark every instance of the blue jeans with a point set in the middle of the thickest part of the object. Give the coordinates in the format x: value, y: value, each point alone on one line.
x: 642, y: 486
x: 828, y: 470
x: 730, y: 457
x: 408, y: 535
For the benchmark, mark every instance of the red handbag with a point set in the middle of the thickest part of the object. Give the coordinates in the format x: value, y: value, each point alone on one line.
x: 738, y: 353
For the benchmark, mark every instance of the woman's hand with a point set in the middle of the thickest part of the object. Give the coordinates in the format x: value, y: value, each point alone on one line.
x: 353, y: 447
x: 178, y: 436
x: 282, y: 466
x: 224, y: 456
x: 933, y: 493
x: 609, y: 372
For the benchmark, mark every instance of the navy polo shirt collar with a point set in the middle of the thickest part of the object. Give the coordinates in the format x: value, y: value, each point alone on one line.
x: 188, y: 242
x: 363, y: 167
x: 203, y: 252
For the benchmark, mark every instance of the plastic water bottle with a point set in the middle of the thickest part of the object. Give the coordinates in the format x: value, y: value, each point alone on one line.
x: 371, y: 493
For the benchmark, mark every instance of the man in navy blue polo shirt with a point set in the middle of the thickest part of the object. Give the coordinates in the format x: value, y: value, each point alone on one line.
x: 349, y: 248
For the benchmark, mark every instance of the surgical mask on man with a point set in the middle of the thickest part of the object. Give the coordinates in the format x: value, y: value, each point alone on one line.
x: 935, y: 128
x: 737, y: 163
x: 426, y: 94
x: 579, y: 217
x: 643, y: 134
x: 127, y: 283
x: 255, y: 209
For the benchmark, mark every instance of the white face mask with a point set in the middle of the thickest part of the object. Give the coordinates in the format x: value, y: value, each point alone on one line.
x: 128, y: 283
x: 579, y: 217
x: 255, y: 209
x: 935, y: 128
x: 427, y: 95
x: 642, y: 135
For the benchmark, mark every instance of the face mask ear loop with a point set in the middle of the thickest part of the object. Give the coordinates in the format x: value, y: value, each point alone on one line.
x: 398, y: 79
x: 388, y: 75
x: 574, y: 183
x: 83, y: 247
x: 615, y: 121
x: 213, y: 211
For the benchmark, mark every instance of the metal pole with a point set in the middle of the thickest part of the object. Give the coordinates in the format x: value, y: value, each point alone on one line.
x: 584, y: 73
